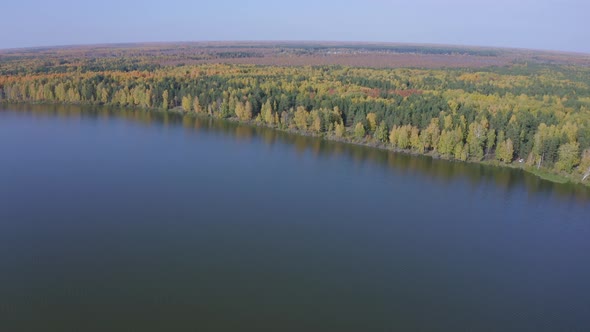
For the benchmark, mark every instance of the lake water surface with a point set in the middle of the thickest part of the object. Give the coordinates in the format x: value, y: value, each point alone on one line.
x: 114, y: 220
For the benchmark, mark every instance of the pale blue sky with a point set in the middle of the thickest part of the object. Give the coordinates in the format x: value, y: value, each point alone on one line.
x: 540, y: 24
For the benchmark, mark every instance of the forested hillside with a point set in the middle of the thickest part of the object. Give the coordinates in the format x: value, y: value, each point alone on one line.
x: 530, y: 114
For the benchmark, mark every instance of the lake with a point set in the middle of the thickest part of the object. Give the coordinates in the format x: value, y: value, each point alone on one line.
x: 122, y: 220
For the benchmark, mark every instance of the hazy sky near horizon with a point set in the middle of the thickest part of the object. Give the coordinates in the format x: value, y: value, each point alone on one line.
x: 539, y: 24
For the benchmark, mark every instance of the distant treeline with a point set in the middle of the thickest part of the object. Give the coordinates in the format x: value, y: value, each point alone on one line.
x: 312, y: 48
x: 406, y: 49
x: 533, y: 116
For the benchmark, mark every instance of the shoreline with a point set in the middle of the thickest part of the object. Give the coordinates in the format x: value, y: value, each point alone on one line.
x: 544, y: 174
x: 540, y: 173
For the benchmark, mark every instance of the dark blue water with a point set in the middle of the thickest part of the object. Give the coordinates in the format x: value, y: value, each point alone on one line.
x: 117, y: 220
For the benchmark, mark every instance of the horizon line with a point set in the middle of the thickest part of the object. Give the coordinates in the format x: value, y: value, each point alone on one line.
x: 262, y: 41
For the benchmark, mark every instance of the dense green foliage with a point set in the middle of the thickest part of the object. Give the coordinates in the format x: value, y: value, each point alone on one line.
x: 535, y: 115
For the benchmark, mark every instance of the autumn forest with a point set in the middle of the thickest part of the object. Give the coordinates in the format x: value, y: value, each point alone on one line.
x: 520, y: 109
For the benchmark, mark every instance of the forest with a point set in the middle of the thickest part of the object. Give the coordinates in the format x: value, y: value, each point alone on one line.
x: 530, y: 112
